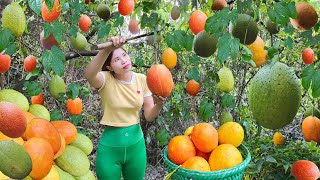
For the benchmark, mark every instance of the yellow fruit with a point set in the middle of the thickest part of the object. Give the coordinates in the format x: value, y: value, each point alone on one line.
x: 259, y: 55
x: 224, y: 156
x: 278, y: 139
x: 39, y: 111
x: 13, y: 18
x: 3, y: 177
x: 226, y: 78
x: 188, y: 131
x: 231, y: 133
x: 18, y: 140
x: 169, y: 58
x: 13, y: 96
x: 53, y: 174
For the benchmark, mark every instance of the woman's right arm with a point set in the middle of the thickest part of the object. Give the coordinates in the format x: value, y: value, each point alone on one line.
x: 91, y: 72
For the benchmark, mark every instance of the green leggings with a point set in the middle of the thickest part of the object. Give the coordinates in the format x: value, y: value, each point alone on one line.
x: 121, y: 150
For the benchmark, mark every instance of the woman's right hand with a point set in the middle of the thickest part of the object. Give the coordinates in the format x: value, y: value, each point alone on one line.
x: 118, y: 41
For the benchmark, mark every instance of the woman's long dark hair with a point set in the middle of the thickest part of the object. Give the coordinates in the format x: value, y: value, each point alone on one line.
x: 108, y: 60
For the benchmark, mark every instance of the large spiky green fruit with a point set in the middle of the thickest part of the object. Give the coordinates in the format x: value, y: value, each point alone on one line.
x: 14, y: 19
x: 226, y: 80
x: 274, y: 95
x: 246, y: 29
x: 204, y: 44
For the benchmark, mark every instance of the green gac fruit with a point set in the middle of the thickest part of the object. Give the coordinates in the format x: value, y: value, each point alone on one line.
x: 103, y: 11
x: 39, y: 111
x: 84, y: 143
x: 226, y: 78
x: 14, y: 19
x: 57, y: 86
x: 272, y: 27
x: 226, y: 117
x: 15, y: 97
x: 246, y: 29
x: 79, y: 43
x: 204, y: 44
x: 274, y: 95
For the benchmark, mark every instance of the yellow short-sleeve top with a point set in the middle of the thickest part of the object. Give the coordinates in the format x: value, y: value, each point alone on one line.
x: 122, y: 101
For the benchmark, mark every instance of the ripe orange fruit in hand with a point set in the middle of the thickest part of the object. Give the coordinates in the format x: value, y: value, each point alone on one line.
x: 197, y: 21
x: 84, y: 23
x: 50, y: 16
x: 308, y: 56
x: 169, y: 58
x: 125, y: 7
x: 193, y: 87
x: 5, y: 62
x: 30, y: 63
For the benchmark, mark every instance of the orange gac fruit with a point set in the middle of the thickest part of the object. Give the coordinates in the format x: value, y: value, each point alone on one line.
x: 41, y: 155
x: 50, y: 16
x: 311, y: 129
x: 196, y: 163
x: 30, y: 63
x: 218, y: 5
x: 66, y: 129
x: 205, y: 137
x: 39, y: 99
x: 74, y: 107
x: 84, y: 23
x: 13, y: 123
x: 305, y: 170
x: 308, y: 56
x: 278, y: 138
x: 202, y: 154
x: 42, y: 128
x: 5, y: 62
x: 159, y: 80
x: 193, y: 87
x: 125, y: 7
x: 169, y: 58
x: 224, y: 156
x: 49, y: 42
x: 62, y: 148
x: 180, y: 149
x: 133, y: 26
x: 197, y: 21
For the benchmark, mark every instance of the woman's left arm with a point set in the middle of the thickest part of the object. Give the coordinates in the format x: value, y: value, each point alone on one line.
x: 152, y: 106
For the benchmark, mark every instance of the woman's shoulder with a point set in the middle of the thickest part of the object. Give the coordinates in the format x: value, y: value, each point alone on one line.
x: 140, y: 75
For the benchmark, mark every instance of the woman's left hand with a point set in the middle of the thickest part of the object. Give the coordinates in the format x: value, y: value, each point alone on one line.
x: 159, y: 99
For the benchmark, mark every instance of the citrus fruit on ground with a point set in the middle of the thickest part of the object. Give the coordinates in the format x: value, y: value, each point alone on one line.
x: 103, y: 11
x: 159, y: 80
x: 39, y: 111
x: 278, y: 138
x: 204, y: 44
x: 196, y: 163
x: 15, y: 161
x: 13, y: 96
x: 197, y: 21
x: 78, y: 43
x: 13, y: 123
x: 226, y: 117
x: 205, y: 137
x: 169, y: 58
x: 226, y: 80
x: 308, y: 56
x: 73, y: 161
x: 180, y: 149
x: 193, y: 87
x: 224, y: 156
x: 57, y: 86
x: 188, y: 131
x: 53, y: 14
x: 13, y: 18
x: 305, y: 170
x: 274, y: 95
x: 231, y: 133
x: 246, y: 29
x: 83, y: 143
x: 307, y: 16
x: 5, y: 63
x: 218, y: 5
x: 175, y: 12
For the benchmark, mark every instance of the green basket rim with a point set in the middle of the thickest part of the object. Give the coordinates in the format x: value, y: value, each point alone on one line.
x: 243, y: 165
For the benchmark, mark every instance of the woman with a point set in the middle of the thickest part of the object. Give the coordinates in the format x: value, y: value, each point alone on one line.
x: 121, y: 149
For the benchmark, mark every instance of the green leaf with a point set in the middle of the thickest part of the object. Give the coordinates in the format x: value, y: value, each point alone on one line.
x: 194, y: 74
x: 36, y: 6
x: 85, y: 92
x: 72, y: 30
x: 76, y: 119
x: 316, y: 85
x: 310, y: 78
x: 73, y: 90
x: 228, y: 101
x: 55, y: 115
x: 194, y: 60
x: 139, y: 61
x: 219, y: 22
x: 163, y: 137
x: 54, y: 60
x: 180, y: 40
x: 7, y: 42
x: 292, y: 10
x: 32, y: 87
x: 119, y: 21
x: 103, y: 29
x: 148, y: 6
x: 281, y: 12
x: 227, y: 46
x: 271, y: 159
x: 288, y: 42
x: 49, y: 4
x: 205, y: 109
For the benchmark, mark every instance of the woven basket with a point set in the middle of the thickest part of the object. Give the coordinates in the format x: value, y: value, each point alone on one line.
x: 234, y: 173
